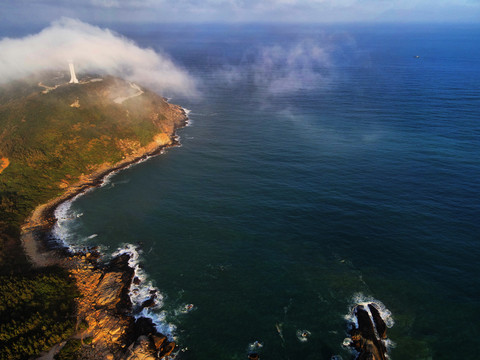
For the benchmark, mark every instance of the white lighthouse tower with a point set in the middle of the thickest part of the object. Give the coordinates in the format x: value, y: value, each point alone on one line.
x: 73, y: 77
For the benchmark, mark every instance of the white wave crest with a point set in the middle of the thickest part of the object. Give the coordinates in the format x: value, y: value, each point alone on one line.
x: 302, y: 335
x: 361, y: 299
x: 159, y: 319
x: 143, y: 291
x: 62, y: 230
x: 255, y: 346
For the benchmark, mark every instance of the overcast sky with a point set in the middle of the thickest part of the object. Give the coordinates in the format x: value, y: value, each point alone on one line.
x: 227, y: 11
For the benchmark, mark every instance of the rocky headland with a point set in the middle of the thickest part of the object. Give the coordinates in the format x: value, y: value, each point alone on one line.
x: 109, y: 124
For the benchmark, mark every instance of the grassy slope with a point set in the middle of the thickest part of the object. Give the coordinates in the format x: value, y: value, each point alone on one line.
x: 50, y: 144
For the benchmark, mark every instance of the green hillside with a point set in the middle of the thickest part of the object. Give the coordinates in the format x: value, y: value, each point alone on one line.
x: 50, y: 137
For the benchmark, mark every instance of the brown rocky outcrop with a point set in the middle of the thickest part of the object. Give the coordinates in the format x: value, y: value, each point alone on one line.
x: 106, y: 327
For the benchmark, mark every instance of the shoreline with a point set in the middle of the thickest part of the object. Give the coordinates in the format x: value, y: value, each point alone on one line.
x: 42, y: 219
x: 105, y: 304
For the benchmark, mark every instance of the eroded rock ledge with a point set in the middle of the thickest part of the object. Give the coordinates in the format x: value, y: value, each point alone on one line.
x: 107, y: 329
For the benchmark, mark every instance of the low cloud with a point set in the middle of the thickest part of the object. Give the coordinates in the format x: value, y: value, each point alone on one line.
x: 279, y: 70
x: 93, y: 50
x: 300, y: 67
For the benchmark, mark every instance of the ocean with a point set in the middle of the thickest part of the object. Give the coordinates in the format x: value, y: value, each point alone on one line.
x: 323, y: 166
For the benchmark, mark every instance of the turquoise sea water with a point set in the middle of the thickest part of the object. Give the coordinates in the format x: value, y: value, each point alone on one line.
x: 322, y: 165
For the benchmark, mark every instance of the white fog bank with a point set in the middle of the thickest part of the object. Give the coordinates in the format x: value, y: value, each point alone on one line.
x: 92, y: 49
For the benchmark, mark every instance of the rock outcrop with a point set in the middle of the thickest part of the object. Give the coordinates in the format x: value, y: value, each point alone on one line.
x: 368, y: 337
x: 104, y: 317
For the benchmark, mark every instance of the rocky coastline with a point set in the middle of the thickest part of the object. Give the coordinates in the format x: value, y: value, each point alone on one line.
x: 105, y: 326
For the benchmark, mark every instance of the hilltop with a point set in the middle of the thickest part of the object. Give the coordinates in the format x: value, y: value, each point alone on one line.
x: 56, y: 140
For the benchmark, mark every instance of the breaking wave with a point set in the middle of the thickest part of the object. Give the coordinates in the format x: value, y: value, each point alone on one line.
x: 361, y: 299
x: 142, y: 290
x: 63, y: 230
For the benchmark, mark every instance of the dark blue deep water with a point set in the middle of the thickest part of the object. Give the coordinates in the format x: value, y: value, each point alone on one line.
x: 323, y: 165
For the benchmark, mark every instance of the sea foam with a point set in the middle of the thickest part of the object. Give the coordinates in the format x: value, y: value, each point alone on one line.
x: 361, y: 299
x: 65, y: 218
x: 143, y: 291
x: 187, y: 113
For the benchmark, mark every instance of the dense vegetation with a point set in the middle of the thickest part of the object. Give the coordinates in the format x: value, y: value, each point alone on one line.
x: 49, y: 137
x: 69, y: 351
x: 36, y: 312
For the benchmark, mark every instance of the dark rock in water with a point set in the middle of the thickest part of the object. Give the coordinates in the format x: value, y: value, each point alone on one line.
x: 364, y: 338
x: 136, y: 280
x: 364, y: 323
x: 149, y: 302
x: 120, y: 263
x: 253, y: 356
x: 144, y: 326
x: 379, y: 323
x: 149, y: 344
